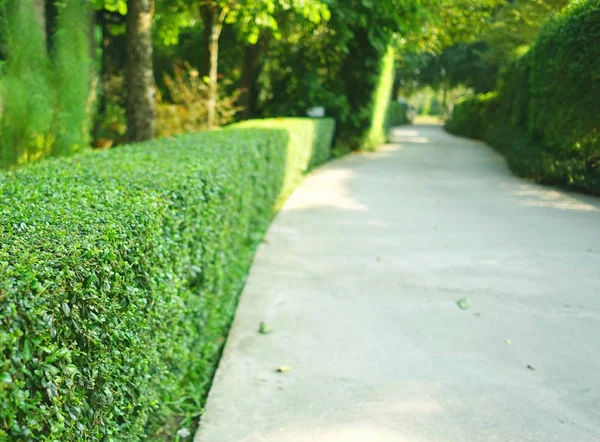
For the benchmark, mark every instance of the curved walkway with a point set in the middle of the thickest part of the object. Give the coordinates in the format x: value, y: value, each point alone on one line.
x: 359, y: 279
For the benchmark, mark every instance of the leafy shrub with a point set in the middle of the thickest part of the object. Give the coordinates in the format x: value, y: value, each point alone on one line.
x: 353, y: 83
x: 120, y: 272
x: 186, y: 108
x: 26, y: 94
x: 72, y: 74
x: 564, y: 104
x: 398, y: 114
x: 377, y: 133
x: 473, y: 116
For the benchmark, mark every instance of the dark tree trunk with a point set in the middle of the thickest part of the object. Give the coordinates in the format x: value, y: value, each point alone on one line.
x: 250, y: 72
x: 51, y: 14
x: 444, y: 100
x: 141, y: 115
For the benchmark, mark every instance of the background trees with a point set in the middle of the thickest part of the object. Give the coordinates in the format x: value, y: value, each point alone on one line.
x: 160, y: 67
x: 466, y: 42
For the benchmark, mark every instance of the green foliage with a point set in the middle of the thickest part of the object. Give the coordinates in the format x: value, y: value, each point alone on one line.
x: 121, y: 271
x: 563, y: 104
x: 72, y: 72
x: 186, y: 110
x: 382, y: 96
x: 472, y: 116
x: 26, y: 90
x: 398, y: 114
x: 44, y: 101
x: 516, y: 26
x: 546, y: 121
x: 344, y: 65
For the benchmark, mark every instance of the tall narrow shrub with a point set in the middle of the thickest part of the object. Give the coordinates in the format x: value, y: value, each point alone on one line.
x: 26, y: 90
x: 72, y: 75
x: 44, y: 100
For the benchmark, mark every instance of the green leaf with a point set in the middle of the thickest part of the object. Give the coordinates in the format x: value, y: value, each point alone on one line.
x: 463, y: 303
x: 264, y: 329
x: 6, y: 378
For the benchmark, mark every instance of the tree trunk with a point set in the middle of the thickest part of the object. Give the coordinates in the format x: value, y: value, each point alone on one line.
x: 250, y: 72
x: 92, y: 107
x: 39, y: 9
x: 141, y: 115
x: 213, y: 72
x: 444, y: 100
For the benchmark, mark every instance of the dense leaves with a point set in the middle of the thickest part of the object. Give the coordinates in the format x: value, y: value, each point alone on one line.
x: 120, y: 274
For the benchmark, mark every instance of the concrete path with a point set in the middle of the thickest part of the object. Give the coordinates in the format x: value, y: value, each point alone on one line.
x: 359, y: 280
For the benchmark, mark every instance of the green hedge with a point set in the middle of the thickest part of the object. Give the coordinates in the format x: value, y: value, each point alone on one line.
x: 380, y: 106
x: 472, y: 116
x: 546, y: 121
x: 397, y: 114
x: 120, y: 272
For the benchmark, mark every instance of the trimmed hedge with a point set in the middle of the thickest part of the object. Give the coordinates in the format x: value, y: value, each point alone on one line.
x: 547, y: 117
x: 382, y: 97
x: 472, y: 116
x: 120, y: 272
x: 397, y: 114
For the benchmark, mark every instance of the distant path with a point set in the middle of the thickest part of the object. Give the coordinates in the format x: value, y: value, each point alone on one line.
x: 359, y: 280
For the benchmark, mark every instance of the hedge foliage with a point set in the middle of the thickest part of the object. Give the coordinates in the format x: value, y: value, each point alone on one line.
x: 547, y: 111
x: 472, y: 116
x: 397, y: 114
x: 380, y: 107
x: 120, y: 272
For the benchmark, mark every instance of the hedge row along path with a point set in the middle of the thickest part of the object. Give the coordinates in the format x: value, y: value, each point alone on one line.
x: 360, y: 279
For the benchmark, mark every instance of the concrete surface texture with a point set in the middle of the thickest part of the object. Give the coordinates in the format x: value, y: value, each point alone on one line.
x: 359, y: 279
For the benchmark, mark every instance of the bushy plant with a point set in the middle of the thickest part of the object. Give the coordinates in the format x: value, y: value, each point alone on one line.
x: 26, y: 94
x: 563, y: 104
x: 473, y: 116
x: 398, y: 114
x: 120, y: 272
x: 381, y: 100
x: 44, y: 99
x: 71, y: 78
x: 186, y: 108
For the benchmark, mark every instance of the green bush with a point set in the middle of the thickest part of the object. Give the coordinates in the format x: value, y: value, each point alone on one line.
x: 397, y: 114
x: 564, y: 104
x: 72, y: 73
x: 546, y: 116
x: 514, y: 92
x: 26, y: 92
x: 473, y: 116
x: 121, y: 271
x: 381, y: 100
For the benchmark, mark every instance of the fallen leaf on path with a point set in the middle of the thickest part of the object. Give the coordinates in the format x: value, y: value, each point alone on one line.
x: 284, y: 369
x: 463, y: 303
x: 264, y: 329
